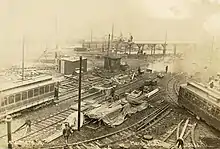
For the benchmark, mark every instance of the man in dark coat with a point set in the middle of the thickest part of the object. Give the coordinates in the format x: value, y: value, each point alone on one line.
x: 66, y: 132
x: 166, y: 69
x: 56, y: 92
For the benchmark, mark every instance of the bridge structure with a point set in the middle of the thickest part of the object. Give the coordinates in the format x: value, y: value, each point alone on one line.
x: 141, y: 45
x: 153, y: 44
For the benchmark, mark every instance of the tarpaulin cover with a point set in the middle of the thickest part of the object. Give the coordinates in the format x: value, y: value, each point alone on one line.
x: 103, y: 110
x: 135, y: 97
x: 114, y: 114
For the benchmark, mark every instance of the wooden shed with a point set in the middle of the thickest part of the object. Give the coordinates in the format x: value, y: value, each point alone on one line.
x: 112, y: 62
x: 69, y: 66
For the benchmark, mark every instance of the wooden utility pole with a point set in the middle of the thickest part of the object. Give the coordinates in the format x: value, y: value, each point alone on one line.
x: 112, y: 35
x: 79, y: 100
x: 23, y: 59
x: 91, y: 36
x: 57, y: 32
x: 165, y: 44
x: 213, y: 39
x: 212, y: 49
x: 108, y: 44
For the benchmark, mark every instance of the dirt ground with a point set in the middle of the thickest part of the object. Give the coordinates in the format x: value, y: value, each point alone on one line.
x: 204, y: 134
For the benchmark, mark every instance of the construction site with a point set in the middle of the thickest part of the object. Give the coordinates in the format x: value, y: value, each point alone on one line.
x: 105, y: 100
x: 111, y: 91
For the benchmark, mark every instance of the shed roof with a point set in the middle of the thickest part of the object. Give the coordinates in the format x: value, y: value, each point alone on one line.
x: 72, y: 59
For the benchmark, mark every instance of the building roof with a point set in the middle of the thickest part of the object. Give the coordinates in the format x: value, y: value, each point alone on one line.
x: 72, y: 59
x: 25, y: 88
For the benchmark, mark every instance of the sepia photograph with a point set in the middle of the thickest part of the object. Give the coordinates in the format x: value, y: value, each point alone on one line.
x: 109, y: 74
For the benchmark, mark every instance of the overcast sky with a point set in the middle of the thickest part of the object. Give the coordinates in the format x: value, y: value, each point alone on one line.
x: 144, y: 19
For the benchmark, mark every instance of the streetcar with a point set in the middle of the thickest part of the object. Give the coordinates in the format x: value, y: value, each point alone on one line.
x: 20, y: 96
x: 202, y: 101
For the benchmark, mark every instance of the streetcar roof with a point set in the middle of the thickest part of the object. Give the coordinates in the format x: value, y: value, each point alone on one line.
x: 25, y: 88
x: 12, y: 85
x: 210, y: 95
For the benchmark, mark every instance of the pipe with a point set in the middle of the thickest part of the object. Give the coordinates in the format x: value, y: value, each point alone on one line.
x: 8, y: 120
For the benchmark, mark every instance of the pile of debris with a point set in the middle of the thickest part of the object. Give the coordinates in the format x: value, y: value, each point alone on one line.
x: 114, y: 113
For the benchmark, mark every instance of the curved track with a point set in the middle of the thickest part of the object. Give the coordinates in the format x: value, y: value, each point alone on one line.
x: 132, y: 131
x: 49, y: 123
x: 173, y: 88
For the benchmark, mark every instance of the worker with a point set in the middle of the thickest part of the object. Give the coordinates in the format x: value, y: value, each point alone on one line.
x: 28, y: 123
x: 66, y: 132
x: 211, y: 84
x: 113, y: 91
x: 166, y: 69
x: 56, y: 92
x: 139, y: 70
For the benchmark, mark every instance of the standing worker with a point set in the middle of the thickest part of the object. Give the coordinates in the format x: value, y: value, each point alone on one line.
x: 56, y: 92
x: 66, y: 132
x: 113, y: 91
x: 166, y: 69
x: 139, y: 70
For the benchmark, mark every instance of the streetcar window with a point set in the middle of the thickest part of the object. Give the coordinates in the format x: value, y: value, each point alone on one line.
x: 2, y: 102
x: 52, y: 87
x: 46, y: 88
x: 24, y: 95
x: 213, y: 111
x: 5, y: 99
x: 36, y: 90
x: 30, y: 93
x: 17, y: 97
x: 41, y: 90
x: 11, y: 99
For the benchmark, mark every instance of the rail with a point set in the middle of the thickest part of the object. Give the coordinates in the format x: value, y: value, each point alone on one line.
x: 124, y: 133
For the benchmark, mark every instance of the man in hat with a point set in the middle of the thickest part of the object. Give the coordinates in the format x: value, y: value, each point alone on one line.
x: 56, y: 92
x: 66, y: 132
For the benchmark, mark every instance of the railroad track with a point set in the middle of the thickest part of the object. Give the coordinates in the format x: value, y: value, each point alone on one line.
x: 65, y: 95
x: 173, y: 88
x: 135, y: 130
x: 48, y: 124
